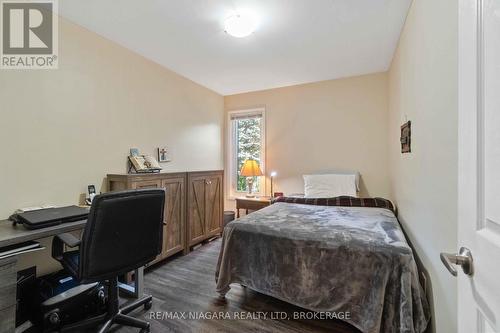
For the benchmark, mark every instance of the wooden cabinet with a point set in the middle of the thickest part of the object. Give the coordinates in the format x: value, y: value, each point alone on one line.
x: 174, y: 230
x: 174, y: 234
x: 8, y: 295
x: 205, y: 202
x: 196, y: 209
x: 193, y: 205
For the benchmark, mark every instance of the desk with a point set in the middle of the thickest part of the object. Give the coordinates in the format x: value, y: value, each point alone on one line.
x: 11, y: 235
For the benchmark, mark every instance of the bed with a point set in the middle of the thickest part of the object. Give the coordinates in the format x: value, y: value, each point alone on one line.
x: 338, y: 255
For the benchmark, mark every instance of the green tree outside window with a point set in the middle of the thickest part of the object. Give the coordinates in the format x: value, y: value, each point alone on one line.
x: 248, y: 145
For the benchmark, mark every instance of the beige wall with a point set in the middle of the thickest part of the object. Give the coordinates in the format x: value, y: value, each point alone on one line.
x: 64, y: 129
x: 325, y: 126
x: 423, y: 88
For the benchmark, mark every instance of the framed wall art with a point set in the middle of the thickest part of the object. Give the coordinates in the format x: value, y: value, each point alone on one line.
x: 406, y: 137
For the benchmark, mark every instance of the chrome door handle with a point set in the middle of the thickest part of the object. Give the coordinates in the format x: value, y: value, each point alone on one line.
x: 463, y: 258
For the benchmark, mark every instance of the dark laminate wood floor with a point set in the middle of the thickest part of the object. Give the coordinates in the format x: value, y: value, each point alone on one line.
x: 186, y: 284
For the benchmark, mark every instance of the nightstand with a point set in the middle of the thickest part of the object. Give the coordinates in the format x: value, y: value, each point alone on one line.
x: 251, y: 204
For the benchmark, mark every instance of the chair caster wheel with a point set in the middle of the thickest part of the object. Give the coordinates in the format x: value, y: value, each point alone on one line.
x: 146, y: 330
x: 148, y: 305
x: 54, y: 318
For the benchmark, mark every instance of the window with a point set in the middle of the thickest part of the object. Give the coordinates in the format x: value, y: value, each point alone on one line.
x: 246, y: 134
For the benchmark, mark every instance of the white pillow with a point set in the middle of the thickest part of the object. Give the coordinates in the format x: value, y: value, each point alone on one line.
x: 330, y: 185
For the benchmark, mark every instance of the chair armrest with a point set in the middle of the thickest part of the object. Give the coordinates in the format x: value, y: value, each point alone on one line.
x: 69, y: 239
x: 58, y: 243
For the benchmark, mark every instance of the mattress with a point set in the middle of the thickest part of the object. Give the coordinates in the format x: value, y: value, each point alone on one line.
x: 332, y: 259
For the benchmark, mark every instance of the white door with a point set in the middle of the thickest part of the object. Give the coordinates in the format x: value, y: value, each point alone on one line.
x: 479, y: 165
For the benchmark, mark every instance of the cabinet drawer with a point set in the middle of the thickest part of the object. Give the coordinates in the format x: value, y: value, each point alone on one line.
x: 252, y: 205
x: 147, y: 184
x: 7, y: 265
x: 8, y: 320
x: 8, y: 281
x: 8, y: 293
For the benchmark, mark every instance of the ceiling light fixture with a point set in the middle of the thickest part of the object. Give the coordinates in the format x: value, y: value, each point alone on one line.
x: 240, y: 25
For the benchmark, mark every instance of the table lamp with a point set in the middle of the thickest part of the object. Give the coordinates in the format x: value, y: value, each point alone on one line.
x: 250, y: 169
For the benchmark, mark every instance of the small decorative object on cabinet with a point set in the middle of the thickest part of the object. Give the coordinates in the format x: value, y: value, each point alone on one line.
x: 134, y: 152
x: 251, y: 204
x: 163, y: 155
x: 205, y: 201
x: 143, y: 164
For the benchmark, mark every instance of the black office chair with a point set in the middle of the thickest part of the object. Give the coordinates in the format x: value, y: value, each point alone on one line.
x: 123, y: 232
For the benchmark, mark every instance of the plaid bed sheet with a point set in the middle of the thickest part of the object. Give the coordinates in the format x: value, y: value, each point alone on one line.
x: 344, y: 201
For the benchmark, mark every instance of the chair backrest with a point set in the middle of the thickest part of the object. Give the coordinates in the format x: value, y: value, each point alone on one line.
x: 124, y: 231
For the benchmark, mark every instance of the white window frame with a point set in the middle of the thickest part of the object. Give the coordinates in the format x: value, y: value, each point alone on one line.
x: 231, y: 156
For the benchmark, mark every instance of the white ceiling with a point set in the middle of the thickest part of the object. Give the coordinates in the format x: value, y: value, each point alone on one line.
x: 297, y: 41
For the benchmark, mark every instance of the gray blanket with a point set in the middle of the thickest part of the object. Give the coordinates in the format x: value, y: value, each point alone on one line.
x: 353, y: 260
